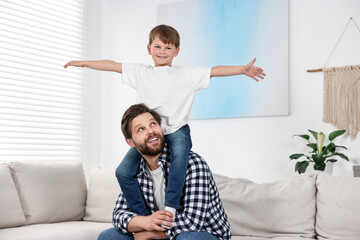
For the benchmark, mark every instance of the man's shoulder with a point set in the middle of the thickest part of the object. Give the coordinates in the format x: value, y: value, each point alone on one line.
x: 195, y: 156
x: 196, y: 162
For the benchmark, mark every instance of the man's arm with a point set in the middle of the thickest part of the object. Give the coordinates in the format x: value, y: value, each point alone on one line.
x: 249, y: 70
x: 148, y: 227
x: 103, y: 65
x: 150, y: 235
x: 150, y: 223
x: 129, y: 222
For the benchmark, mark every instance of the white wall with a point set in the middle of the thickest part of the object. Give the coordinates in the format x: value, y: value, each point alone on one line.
x: 253, y: 148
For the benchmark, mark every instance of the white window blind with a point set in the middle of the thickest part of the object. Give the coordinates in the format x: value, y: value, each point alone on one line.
x: 40, y: 101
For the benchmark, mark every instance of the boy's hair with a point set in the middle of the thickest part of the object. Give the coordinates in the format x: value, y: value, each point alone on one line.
x: 131, y: 113
x: 167, y: 34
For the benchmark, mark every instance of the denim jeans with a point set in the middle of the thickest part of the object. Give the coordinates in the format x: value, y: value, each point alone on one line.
x: 126, y: 176
x: 196, y: 236
x: 116, y: 234
x: 179, y: 144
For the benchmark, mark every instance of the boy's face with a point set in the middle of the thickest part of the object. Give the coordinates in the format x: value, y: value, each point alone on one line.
x: 162, y: 53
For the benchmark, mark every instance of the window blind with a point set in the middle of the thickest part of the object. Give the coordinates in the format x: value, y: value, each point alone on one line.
x: 40, y: 101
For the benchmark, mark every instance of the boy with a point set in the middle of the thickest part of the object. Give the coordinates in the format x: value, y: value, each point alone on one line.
x: 170, y: 90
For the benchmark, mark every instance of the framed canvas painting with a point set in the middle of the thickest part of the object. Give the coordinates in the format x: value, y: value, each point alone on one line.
x: 215, y: 32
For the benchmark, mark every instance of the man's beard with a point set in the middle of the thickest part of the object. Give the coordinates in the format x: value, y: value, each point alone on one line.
x: 146, y: 150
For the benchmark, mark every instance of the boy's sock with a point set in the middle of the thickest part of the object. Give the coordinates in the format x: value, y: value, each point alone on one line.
x: 170, y: 209
x: 173, y: 211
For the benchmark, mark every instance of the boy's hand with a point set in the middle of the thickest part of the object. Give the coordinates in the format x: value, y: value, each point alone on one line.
x: 73, y: 63
x: 254, y: 72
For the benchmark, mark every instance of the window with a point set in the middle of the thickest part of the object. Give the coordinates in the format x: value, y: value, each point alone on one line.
x: 40, y: 101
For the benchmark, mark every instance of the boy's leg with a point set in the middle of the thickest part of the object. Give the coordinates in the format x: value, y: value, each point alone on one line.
x: 126, y: 176
x: 114, y: 234
x: 179, y: 144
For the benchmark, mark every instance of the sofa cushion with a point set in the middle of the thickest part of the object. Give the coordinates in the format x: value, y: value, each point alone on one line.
x: 73, y: 230
x: 338, y: 208
x: 102, y: 195
x: 11, y: 213
x: 50, y: 191
x: 283, y: 208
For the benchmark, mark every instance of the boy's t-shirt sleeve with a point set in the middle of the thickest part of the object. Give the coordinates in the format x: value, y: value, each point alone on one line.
x: 132, y: 73
x: 202, y: 77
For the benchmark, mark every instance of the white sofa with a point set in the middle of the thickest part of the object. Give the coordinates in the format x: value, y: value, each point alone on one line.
x: 52, y: 201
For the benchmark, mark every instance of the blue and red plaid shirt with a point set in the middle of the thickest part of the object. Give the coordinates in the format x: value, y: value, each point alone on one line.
x: 200, y: 205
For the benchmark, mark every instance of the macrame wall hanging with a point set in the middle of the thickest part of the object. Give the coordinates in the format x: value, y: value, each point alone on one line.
x: 341, y: 99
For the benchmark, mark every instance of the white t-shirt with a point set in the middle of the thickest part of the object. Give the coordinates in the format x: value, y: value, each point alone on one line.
x: 158, y: 180
x: 168, y: 90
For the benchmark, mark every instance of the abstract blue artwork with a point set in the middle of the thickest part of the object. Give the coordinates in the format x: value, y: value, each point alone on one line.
x: 233, y: 32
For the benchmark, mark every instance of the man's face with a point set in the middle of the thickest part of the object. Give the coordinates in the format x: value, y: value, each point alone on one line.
x: 147, y: 135
x: 162, y: 54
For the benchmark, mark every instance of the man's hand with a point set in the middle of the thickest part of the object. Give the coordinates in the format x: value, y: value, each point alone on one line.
x: 150, y: 235
x: 142, y: 236
x: 254, y: 72
x: 151, y: 223
x: 157, y: 219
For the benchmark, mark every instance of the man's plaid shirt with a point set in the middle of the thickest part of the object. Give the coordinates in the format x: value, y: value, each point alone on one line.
x: 200, y: 205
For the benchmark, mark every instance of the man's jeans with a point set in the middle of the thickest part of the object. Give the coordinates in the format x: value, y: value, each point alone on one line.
x: 116, y: 234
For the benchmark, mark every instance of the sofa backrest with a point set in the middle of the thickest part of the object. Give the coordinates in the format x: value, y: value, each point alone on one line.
x: 338, y: 208
x: 11, y: 213
x: 50, y: 191
x: 277, y: 209
x: 102, y: 195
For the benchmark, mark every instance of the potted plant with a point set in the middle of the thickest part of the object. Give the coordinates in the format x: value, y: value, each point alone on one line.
x: 320, y: 155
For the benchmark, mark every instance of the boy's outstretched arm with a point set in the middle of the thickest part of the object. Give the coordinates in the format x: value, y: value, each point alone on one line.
x: 103, y: 65
x: 249, y: 70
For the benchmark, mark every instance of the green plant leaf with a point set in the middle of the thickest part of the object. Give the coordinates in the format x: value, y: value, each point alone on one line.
x: 324, y: 151
x: 340, y: 147
x: 335, y: 134
x: 342, y: 156
x: 319, y: 160
x: 320, y: 167
x: 313, y: 146
x: 331, y: 160
x: 315, y: 134
x: 296, y: 156
x: 304, y: 136
x: 331, y: 147
x: 300, y: 167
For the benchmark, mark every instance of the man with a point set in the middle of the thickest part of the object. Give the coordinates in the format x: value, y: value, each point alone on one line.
x: 201, y: 214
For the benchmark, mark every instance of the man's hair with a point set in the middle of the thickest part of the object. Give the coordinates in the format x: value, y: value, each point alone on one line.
x: 167, y: 34
x: 131, y: 113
